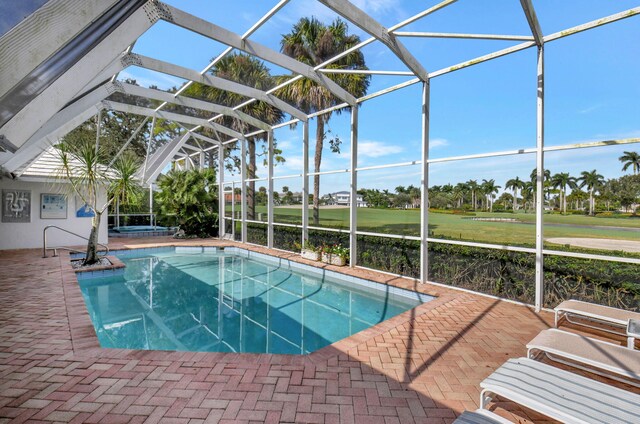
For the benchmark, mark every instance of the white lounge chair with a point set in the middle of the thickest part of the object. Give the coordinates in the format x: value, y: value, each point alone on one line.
x: 480, y: 416
x: 596, y: 356
x: 613, y: 317
x: 560, y: 394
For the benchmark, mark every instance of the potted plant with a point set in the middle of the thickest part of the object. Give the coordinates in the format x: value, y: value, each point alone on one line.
x: 335, y: 255
x: 308, y: 251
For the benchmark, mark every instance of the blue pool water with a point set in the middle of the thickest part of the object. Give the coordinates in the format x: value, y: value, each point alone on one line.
x: 137, y: 228
x: 196, y: 300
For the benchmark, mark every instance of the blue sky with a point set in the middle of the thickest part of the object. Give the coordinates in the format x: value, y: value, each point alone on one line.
x: 592, y: 87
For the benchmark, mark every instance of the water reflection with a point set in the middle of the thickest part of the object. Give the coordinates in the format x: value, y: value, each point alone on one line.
x: 226, y: 303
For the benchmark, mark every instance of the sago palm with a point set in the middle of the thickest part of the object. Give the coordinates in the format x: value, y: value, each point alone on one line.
x: 312, y: 42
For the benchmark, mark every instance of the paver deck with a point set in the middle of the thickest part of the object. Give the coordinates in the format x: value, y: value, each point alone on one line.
x: 422, y: 366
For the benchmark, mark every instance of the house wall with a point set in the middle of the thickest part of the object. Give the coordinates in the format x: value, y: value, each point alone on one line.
x: 29, y: 235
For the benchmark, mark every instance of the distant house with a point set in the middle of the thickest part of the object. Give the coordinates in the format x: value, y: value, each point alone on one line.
x: 296, y: 197
x: 343, y: 198
x: 237, y: 198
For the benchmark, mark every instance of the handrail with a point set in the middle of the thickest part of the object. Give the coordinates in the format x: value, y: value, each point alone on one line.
x: 55, y: 252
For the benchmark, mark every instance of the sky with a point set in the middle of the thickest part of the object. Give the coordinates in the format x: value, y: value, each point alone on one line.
x: 591, y: 87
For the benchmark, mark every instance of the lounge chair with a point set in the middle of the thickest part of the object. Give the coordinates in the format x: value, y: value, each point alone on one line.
x: 633, y: 333
x: 481, y: 416
x: 560, y: 394
x: 612, y: 317
x: 596, y: 356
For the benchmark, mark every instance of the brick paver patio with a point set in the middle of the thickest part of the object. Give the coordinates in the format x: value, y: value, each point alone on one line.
x: 422, y: 366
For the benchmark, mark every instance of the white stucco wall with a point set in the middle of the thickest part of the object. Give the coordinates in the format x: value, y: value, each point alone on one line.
x: 29, y: 235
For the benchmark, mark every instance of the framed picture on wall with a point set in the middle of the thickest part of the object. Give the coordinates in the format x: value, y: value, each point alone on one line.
x: 53, y: 206
x: 83, y: 210
x: 16, y: 205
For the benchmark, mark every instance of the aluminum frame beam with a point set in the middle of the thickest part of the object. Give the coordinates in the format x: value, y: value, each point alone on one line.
x: 170, y: 116
x: 463, y: 36
x: 47, y: 29
x: 353, y: 190
x: 424, y: 184
x: 164, y: 96
x: 24, y: 123
x: 222, y: 35
x: 539, y: 278
x: 270, y: 203
x: 159, y: 161
x: 305, y: 182
x: 532, y: 19
x: 210, y: 80
x: 375, y: 29
x: 57, y: 126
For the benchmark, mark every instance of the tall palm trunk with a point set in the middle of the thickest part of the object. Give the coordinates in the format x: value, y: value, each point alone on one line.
x: 251, y: 189
x: 515, y: 199
x: 317, y: 159
x: 591, y: 202
x: 92, y: 246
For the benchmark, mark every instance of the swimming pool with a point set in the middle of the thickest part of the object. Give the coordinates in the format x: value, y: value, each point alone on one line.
x: 232, y: 300
x: 131, y: 231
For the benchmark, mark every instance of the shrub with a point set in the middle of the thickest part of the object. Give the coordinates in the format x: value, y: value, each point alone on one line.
x: 191, y: 199
x: 506, y: 274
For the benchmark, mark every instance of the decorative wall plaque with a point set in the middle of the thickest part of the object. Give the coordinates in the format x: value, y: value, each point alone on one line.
x: 16, y: 205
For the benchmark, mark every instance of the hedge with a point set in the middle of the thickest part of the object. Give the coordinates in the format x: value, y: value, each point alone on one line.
x: 507, y: 274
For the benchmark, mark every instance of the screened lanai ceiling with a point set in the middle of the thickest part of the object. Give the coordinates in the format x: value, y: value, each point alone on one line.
x: 64, y: 61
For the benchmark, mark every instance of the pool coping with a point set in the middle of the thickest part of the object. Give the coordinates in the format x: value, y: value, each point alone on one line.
x: 85, y: 342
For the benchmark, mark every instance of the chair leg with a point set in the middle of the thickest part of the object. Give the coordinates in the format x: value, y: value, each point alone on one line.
x: 484, y: 399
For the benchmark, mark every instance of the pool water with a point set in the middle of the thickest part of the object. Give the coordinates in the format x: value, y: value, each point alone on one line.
x: 228, y: 302
x: 138, y: 228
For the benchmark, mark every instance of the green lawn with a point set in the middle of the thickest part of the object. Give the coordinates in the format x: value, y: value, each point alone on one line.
x: 407, y: 222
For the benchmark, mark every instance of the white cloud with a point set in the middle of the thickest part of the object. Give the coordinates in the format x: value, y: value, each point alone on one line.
x: 589, y: 109
x: 375, y: 7
x: 376, y: 149
x: 434, y: 143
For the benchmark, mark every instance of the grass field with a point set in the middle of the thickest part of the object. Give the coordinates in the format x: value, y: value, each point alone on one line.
x: 407, y: 222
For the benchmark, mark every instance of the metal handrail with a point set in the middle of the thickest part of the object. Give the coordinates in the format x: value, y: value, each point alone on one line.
x: 55, y: 249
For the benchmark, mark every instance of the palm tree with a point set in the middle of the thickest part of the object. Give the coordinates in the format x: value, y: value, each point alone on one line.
x: 489, y: 188
x: 416, y: 195
x: 313, y: 43
x: 630, y: 159
x: 473, y: 188
x: 249, y: 71
x: 81, y: 165
x: 534, y: 180
x: 514, y: 184
x: 562, y: 180
x: 592, y: 180
x: 526, y: 192
x: 458, y: 194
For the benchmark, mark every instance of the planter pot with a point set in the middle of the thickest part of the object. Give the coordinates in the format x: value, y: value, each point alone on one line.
x: 310, y: 254
x: 333, y: 259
